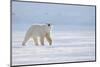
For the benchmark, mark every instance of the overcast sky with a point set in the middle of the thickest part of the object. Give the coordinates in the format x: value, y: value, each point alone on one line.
x: 62, y: 17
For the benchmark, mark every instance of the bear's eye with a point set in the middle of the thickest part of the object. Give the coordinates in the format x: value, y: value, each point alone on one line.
x: 48, y: 24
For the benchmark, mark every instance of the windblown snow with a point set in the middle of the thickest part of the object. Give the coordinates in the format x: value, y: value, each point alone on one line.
x: 68, y: 46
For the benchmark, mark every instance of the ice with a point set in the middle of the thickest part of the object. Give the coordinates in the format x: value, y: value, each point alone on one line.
x: 67, y: 47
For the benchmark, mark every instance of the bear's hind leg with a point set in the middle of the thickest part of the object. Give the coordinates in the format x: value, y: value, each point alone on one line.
x: 25, y: 40
x: 42, y: 40
x: 35, y: 41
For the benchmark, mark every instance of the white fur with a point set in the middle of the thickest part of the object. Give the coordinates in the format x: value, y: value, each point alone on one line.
x: 36, y: 31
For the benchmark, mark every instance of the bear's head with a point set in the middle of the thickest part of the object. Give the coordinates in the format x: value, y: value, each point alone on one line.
x: 48, y: 24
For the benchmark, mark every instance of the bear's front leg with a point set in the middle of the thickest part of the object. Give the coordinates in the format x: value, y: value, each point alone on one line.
x: 48, y: 38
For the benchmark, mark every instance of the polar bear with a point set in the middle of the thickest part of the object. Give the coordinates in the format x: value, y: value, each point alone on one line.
x: 38, y: 32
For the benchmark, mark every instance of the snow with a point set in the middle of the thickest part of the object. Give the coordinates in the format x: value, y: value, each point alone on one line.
x: 68, y: 46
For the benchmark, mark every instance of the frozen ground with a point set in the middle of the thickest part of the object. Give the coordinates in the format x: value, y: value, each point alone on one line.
x: 66, y: 47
